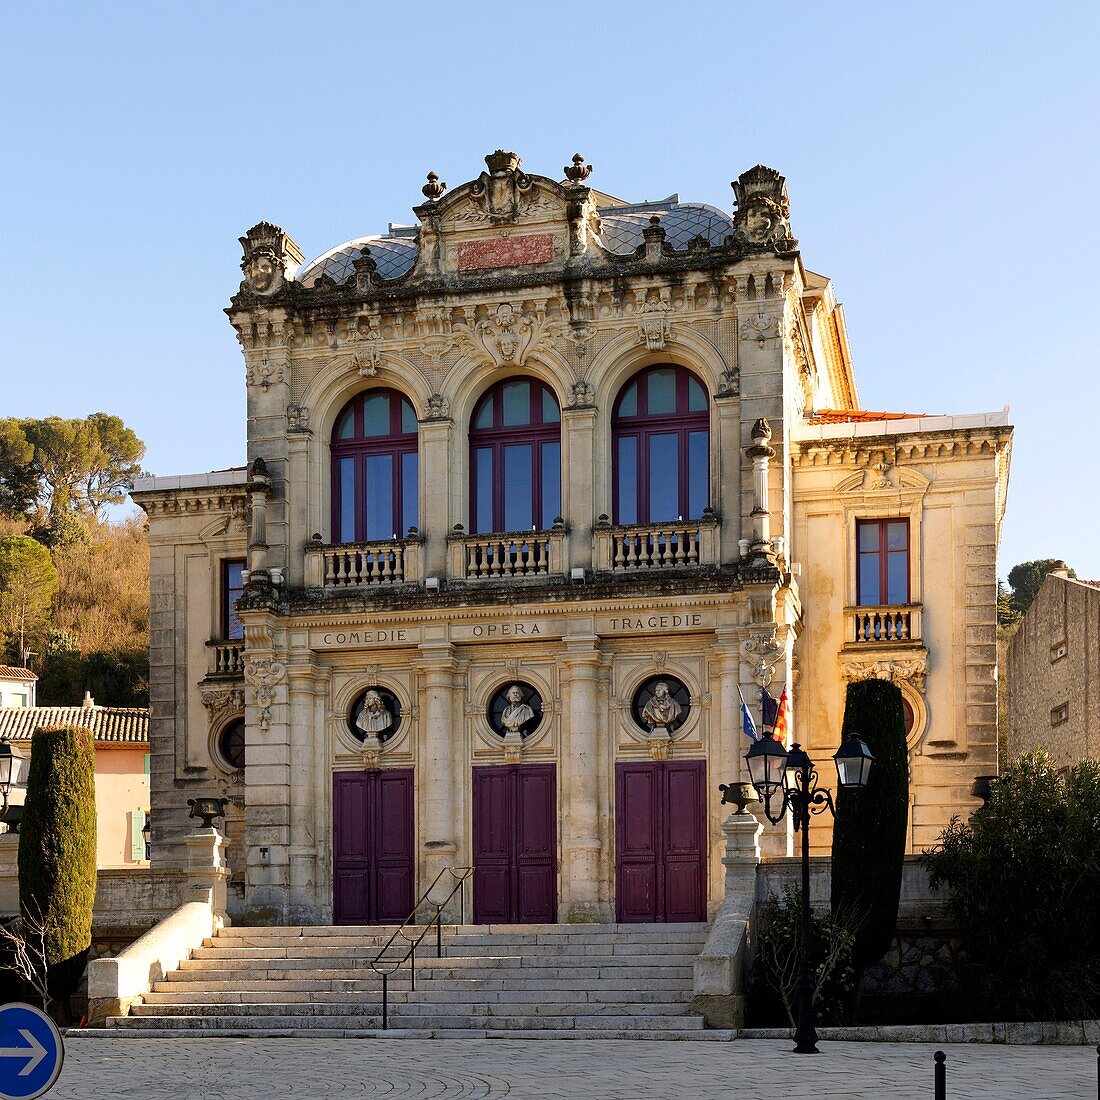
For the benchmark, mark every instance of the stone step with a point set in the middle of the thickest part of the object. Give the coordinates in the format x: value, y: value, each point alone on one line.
x: 455, y: 945
x: 429, y: 981
x: 151, y: 1030
x: 481, y: 1020
x: 422, y: 994
x: 487, y: 1010
x: 585, y: 931
x: 564, y: 953
x: 513, y: 973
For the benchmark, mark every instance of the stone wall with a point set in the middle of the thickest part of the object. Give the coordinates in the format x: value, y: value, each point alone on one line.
x: 1054, y: 662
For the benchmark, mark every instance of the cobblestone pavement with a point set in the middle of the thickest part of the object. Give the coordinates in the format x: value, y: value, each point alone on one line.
x: 449, y: 1069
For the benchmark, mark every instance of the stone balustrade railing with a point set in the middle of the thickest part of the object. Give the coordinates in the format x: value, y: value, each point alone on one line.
x: 348, y: 567
x: 638, y: 547
x: 509, y: 554
x: 226, y: 657
x: 893, y: 624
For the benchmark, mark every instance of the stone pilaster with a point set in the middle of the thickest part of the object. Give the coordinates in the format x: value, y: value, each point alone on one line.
x: 580, y: 824
x: 436, y: 778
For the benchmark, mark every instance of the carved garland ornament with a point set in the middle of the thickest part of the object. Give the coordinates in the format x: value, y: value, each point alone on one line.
x: 911, y: 669
x: 262, y: 674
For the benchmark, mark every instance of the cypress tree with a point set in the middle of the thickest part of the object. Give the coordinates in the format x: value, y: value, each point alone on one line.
x: 57, y: 848
x: 871, y: 824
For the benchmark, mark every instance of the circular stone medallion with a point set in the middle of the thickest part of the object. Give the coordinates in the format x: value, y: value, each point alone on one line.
x: 677, y: 691
x: 506, y: 709
x: 375, y: 711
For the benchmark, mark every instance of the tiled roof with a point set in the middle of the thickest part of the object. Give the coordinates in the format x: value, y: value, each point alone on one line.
x: 856, y: 416
x: 109, y: 725
x: 10, y: 672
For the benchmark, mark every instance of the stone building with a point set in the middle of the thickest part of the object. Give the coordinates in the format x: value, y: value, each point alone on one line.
x: 1053, y: 670
x: 536, y: 490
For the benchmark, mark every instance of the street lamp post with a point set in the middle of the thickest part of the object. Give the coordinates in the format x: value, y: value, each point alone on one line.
x: 792, y: 776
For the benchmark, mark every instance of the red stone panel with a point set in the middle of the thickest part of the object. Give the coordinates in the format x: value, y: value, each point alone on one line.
x: 535, y: 248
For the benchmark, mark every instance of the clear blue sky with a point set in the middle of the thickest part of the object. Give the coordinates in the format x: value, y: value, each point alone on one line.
x: 941, y: 158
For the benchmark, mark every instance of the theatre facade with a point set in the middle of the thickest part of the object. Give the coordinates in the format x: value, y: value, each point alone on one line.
x: 536, y: 490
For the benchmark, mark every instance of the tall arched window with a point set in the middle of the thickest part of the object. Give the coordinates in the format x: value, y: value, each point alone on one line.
x: 374, y: 468
x: 515, y: 458
x: 660, y: 435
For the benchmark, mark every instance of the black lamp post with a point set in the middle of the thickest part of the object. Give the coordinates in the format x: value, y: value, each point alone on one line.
x: 792, y: 776
x: 147, y: 833
x: 11, y: 760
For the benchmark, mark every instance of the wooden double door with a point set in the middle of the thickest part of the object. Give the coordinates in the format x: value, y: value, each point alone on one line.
x: 515, y: 844
x: 660, y: 841
x: 374, y: 864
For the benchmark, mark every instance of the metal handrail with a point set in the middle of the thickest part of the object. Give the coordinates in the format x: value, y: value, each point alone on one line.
x: 460, y: 874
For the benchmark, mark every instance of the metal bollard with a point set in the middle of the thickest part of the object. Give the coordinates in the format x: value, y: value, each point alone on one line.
x: 941, y: 1075
x: 385, y: 1000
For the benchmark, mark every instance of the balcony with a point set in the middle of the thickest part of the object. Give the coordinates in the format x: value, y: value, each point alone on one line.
x: 656, y: 546
x: 515, y: 555
x: 226, y: 659
x: 353, y: 567
x: 899, y: 624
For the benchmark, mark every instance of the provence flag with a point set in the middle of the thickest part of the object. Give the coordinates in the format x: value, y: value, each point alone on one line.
x: 747, y: 724
x: 769, y: 711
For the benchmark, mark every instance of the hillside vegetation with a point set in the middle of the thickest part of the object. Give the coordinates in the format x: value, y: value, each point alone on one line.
x: 74, y: 586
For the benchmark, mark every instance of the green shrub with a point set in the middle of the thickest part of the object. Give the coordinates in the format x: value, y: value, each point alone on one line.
x: 57, y: 848
x: 778, y: 960
x: 870, y: 828
x: 1024, y: 882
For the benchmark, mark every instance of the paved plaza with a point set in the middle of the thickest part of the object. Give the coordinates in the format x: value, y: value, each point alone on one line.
x: 449, y: 1069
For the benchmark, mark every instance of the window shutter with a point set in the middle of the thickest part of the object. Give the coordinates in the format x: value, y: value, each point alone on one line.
x: 148, y: 759
x: 137, y: 841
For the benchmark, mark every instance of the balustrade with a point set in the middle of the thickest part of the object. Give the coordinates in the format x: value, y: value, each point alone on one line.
x: 509, y: 554
x: 679, y: 545
x: 351, y: 566
x: 226, y: 658
x: 896, y: 624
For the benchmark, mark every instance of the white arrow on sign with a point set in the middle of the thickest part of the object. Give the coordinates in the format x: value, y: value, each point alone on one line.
x: 34, y: 1052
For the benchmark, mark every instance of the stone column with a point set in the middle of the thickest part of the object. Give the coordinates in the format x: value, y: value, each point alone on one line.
x: 437, y: 779
x: 580, y: 824
x: 761, y: 454
x: 728, y: 742
x: 436, y: 517
x: 581, y: 467
x: 303, y: 904
x: 259, y: 485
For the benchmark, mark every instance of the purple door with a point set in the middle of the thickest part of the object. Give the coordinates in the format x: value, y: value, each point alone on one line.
x: 372, y: 841
x: 660, y: 841
x: 515, y: 844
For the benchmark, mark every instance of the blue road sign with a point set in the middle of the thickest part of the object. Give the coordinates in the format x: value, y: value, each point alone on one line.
x: 31, y: 1052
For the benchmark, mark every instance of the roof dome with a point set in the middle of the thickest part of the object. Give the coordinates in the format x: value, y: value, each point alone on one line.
x: 394, y: 253
x: 622, y: 227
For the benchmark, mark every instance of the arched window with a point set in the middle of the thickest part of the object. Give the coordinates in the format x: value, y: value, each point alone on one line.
x: 660, y: 437
x: 515, y: 458
x: 374, y: 468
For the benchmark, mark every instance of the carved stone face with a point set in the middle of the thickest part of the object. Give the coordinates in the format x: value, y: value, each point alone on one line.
x: 261, y: 271
x: 758, y: 222
x: 515, y: 695
x: 660, y: 692
x: 372, y: 701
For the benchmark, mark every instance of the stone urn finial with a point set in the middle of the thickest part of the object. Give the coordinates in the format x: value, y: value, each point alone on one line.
x: 434, y: 188
x: 578, y: 171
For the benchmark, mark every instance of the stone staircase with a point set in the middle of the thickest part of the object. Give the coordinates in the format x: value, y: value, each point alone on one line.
x: 602, y: 981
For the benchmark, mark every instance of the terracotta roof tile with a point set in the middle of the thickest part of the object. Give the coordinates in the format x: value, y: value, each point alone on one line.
x: 109, y: 725
x: 850, y: 416
x: 10, y: 672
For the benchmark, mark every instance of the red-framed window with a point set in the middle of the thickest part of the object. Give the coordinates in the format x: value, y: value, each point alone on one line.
x: 515, y: 458
x: 882, y: 553
x: 660, y: 439
x: 232, y: 586
x: 375, y: 468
